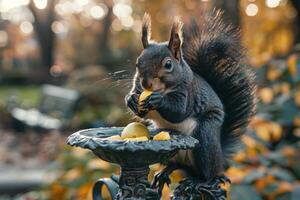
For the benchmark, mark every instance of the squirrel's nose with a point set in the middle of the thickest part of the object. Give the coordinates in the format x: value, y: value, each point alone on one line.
x: 147, y: 83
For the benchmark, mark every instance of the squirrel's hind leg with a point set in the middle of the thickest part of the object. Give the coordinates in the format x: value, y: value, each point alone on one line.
x: 163, y: 177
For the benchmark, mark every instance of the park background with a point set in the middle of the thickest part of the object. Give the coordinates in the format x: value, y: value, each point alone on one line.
x: 90, y: 47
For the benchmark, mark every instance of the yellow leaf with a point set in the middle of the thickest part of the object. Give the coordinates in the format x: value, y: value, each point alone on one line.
x: 166, y: 193
x: 262, y: 132
x: 292, y: 64
x: 176, y: 176
x: 285, y: 187
x: 248, y: 141
x: 297, y: 98
x: 288, y: 151
x: 235, y: 174
x: 72, y: 174
x: 240, y: 156
x: 296, y: 121
x: 266, y: 95
x: 273, y: 74
x: 285, y: 88
x: 260, y: 184
x: 79, y: 152
x: 97, y: 163
x: 296, y: 132
x: 105, y: 193
x: 276, y: 131
x: 57, y: 191
x: 84, y: 190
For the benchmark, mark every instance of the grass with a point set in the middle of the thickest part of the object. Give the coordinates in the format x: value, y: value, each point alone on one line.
x: 26, y: 96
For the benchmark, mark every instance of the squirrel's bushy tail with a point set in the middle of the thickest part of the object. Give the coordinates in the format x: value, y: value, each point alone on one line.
x: 212, y: 49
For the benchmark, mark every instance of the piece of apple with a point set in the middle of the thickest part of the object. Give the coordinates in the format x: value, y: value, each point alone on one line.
x: 134, y: 130
x: 142, y: 97
x: 114, y: 138
x: 143, y: 138
x: 163, y: 135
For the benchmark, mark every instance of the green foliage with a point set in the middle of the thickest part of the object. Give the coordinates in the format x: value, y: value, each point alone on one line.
x: 27, y: 95
x: 267, y: 166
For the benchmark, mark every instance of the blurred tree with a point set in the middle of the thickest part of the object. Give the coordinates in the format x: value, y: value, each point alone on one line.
x: 43, y: 19
x: 296, y: 4
x: 104, y: 47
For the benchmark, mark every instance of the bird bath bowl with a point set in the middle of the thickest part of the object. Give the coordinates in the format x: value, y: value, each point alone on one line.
x: 134, y: 158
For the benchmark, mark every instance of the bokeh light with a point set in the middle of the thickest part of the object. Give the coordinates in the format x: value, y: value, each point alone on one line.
x: 251, y: 9
x: 40, y: 4
x: 273, y: 3
x: 3, y: 38
x: 26, y: 27
x: 122, y: 10
x: 7, y: 5
x: 97, y: 12
x: 59, y: 27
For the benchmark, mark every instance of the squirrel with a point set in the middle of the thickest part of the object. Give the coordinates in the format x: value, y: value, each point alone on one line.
x: 201, y: 87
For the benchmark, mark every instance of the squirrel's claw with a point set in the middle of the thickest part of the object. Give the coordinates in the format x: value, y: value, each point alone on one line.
x: 131, y: 101
x: 153, y: 101
x: 160, y: 179
x: 222, y: 179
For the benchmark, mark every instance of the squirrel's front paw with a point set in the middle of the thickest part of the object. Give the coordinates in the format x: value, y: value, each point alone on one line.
x: 153, y: 101
x: 131, y: 101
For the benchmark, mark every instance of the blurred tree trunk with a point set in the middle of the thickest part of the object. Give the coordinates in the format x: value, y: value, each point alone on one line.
x: 104, y: 48
x: 107, y: 57
x: 296, y: 4
x: 231, y: 10
x: 42, y: 26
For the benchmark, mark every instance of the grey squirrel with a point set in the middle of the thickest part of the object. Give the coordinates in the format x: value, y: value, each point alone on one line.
x: 201, y: 87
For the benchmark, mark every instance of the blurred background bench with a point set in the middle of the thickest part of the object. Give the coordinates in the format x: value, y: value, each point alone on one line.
x: 56, y: 108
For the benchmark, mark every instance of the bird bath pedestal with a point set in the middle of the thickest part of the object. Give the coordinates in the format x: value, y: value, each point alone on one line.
x: 134, y: 158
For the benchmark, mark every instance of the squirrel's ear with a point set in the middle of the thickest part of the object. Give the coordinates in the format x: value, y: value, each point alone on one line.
x: 146, y: 30
x: 176, y: 38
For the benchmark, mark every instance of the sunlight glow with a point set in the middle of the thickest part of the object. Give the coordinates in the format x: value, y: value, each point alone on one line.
x: 40, y: 4
x: 59, y: 27
x: 97, y: 12
x: 26, y: 27
x: 116, y: 25
x: 137, y: 26
x: 122, y: 10
x: 127, y: 22
x: 82, y: 2
x: 3, y: 38
x: 6, y: 5
x: 251, y: 9
x: 272, y: 3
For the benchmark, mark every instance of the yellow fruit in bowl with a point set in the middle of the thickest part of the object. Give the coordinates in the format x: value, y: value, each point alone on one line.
x: 143, y: 97
x: 163, y: 135
x: 114, y: 138
x: 134, y: 130
x: 143, y: 138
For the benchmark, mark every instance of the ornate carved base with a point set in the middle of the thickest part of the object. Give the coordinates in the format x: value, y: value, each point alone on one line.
x: 134, y: 185
x: 190, y: 189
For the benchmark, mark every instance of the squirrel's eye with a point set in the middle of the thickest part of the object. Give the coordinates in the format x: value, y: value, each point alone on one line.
x: 168, y: 65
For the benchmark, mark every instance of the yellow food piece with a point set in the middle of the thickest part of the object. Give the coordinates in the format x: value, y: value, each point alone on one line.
x: 143, y: 138
x: 163, y: 135
x: 134, y: 130
x: 114, y: 137
x: 143, y: 96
